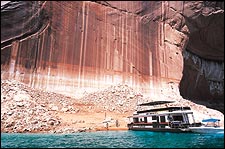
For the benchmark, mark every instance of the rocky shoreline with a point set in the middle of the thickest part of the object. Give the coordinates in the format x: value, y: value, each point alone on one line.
x: 28, y: 110
x: 25, y: 109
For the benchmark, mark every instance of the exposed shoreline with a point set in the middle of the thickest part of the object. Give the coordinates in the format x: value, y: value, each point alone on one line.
x: 111, y: 129
x: 91, y: 130
x: 29, y: 110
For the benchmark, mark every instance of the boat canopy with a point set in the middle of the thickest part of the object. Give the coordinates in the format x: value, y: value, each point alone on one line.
x: 162, y: 114
x: 170, y: 109
x: 155, y: 103
x: 211, y: 120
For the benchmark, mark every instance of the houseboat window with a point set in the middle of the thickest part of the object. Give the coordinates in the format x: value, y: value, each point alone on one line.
x: 178, y: 118
x: 135, y: 120
x: 154, y: 118
x: 145, y: 119
x: 162, y: 119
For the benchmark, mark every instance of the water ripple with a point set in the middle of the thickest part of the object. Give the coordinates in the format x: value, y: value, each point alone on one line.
x: 113, y: 139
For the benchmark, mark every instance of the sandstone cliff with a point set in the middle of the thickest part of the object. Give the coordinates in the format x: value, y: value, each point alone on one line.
x: 76, y: 47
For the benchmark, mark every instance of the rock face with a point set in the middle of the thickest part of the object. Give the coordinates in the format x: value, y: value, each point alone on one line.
x: 203, y: 73
x: 76, y: 47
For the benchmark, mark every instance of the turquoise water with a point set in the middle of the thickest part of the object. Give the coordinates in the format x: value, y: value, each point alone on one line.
x: 113, y: 139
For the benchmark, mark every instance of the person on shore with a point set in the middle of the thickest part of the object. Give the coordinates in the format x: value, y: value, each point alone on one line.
x: 107, y: 126
x: 117, y: 123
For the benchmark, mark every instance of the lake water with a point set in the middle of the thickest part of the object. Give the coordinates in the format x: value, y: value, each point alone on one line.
x: 113, y: 139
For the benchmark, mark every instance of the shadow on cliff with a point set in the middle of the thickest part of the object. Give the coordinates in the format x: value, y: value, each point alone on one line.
x: 203, y: 72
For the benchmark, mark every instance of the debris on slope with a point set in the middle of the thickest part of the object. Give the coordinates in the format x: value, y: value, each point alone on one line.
x: 120, y: 98
x: 26, y: 109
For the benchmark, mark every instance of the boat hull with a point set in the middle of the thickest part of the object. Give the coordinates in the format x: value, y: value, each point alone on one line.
x: 176, y: 130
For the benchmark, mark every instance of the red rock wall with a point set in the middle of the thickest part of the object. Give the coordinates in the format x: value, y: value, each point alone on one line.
x: 90, y: 46
x: 73, y: 47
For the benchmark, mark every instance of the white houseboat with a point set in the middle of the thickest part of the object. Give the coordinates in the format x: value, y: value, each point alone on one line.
x: 168, y: 119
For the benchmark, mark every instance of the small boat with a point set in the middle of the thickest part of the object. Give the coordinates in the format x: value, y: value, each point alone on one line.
x: 211, y: 126
x: 164, y: 119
